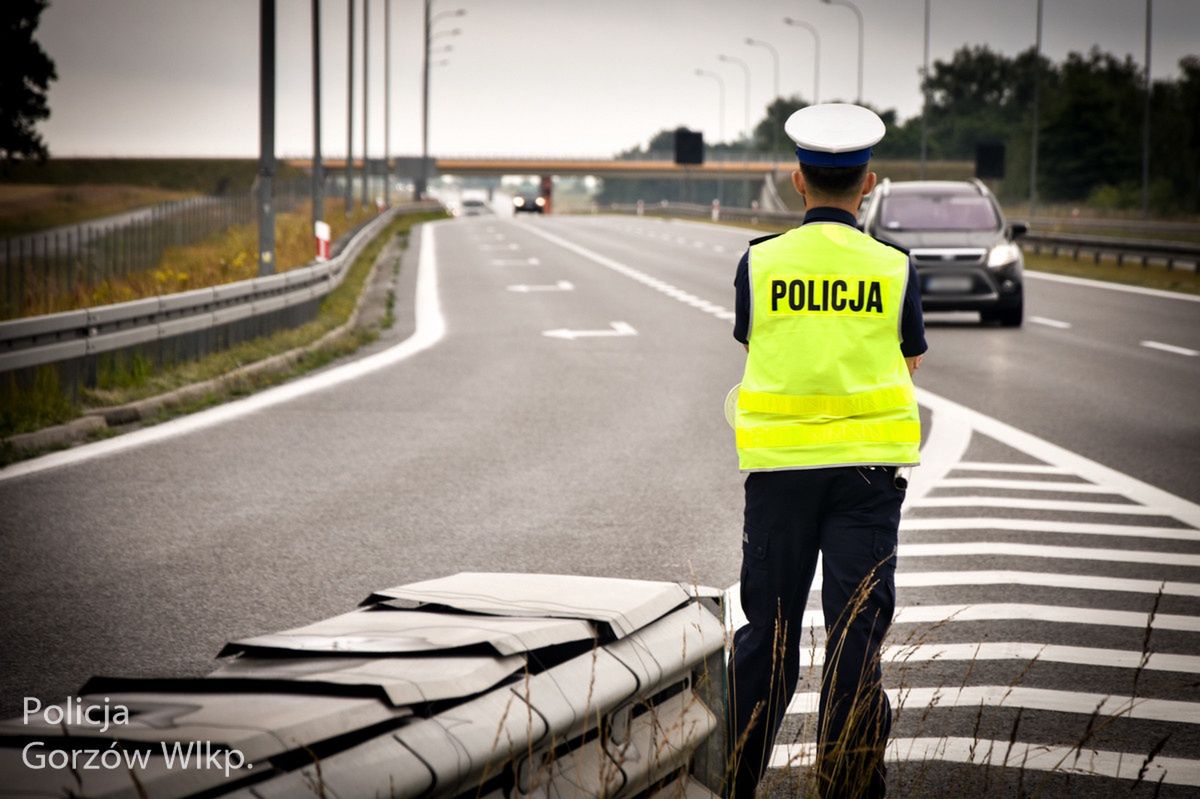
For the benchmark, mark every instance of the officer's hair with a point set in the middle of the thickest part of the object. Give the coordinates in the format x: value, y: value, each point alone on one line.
x: 834, y: 181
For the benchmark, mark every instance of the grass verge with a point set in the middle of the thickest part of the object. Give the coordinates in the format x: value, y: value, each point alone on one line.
x: 27, y: 208
x: 130, y: 379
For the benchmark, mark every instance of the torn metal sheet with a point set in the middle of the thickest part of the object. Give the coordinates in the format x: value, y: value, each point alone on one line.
x: 467, y: 742
x: 671, y: 646
x: 572, y: 697
x: 398, y: 680
x: 622, y: 605
x: 392, y: 632
x: 258, y: 725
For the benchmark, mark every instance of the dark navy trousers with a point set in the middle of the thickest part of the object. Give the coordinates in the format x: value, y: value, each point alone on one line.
x: 851, y: 516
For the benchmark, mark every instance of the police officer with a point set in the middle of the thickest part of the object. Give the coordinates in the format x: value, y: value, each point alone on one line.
x: 825, y: 419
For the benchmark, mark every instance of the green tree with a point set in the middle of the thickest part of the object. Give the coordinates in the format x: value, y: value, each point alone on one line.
x: 23, y: 82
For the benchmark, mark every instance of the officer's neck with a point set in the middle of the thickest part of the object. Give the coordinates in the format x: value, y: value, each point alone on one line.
x: 850, y: 206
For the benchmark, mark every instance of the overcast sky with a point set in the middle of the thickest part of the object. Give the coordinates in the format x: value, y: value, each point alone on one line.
x: 526, y: 77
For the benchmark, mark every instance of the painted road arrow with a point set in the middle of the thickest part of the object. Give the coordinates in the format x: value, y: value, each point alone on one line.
x: 617, y: 329
x: 562, y: 285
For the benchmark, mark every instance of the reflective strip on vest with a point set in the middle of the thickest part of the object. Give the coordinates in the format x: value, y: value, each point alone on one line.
x: 808, y: 435
x: 883, y: 399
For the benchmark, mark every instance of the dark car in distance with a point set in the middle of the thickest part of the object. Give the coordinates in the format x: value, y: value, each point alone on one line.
x: 964, y: 251
x: 528, y: 204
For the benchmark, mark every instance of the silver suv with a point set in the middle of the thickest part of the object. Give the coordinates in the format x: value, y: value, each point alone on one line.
x: 956, y: 236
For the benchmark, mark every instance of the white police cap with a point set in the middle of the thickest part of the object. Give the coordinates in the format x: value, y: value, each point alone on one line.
x: 834, y: 134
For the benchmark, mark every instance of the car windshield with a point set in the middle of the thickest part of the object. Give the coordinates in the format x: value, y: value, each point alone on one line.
x: 938, y: 212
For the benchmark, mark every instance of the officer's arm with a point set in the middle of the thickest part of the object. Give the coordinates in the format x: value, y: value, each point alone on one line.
x: 741, y: 302
x: 914, y: 363
x: 912, y: 324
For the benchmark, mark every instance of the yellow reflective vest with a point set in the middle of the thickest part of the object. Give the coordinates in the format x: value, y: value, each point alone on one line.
x: 825, y: 381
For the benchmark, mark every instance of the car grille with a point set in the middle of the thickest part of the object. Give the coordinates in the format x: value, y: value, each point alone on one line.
x: 948, y: 256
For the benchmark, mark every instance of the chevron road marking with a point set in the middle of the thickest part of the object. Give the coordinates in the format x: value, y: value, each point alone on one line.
x: 1016, y: 468
x: 1029, y: 757
x: 1006, y: 549
x: 1048, y: 526
x: 1029, y: 698
x: 1086, y: 582
x: 1039, y: 504
x: 1024, y: 651
x: 1024, y: 485
x: 617, y: 329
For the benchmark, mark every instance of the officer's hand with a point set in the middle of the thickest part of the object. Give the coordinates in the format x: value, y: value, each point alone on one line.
x: 914, y: 363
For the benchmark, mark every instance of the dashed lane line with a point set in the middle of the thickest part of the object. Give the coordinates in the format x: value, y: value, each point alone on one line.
x: 1048, y: 526
x: 1014, y: 696
x: 658, y: 285
x: 1158, y: 345
x: 1087, y: 582
x: 1055, y: 323
x: 1016, y: 754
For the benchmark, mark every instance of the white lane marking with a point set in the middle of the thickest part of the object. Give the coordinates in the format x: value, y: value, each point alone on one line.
x: 1158, y: 345
x: 1040, y: 504
x: 1087, y: 582
x: 1078, y: 465
x: 617, y: 329
x: 1016, y: 468
x: 1006, y: 549
x: 491, y: 247
x: 718, y: 248
x: 515, y: 262
x: 1041, y: 320
x: 1024, y: 485
x: 525, y: 288
x: 636, y: 274
x: 946, y: 443
x: 1048, y: 526
x: 1014, y: 696
x: 1100, y: 284
x: 1019, y: 650
x: 813, y: 619
x: 430, y: 329
x: 1026, y: 756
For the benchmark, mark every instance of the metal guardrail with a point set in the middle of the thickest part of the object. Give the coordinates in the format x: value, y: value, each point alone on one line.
x: 500, y: 686
x: 1122, y: 249
x: 39, y: 340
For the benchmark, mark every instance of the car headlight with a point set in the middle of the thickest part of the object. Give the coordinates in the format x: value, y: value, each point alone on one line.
x: 1003, y: 255
x: 519, y: 201
x: 540, y: 201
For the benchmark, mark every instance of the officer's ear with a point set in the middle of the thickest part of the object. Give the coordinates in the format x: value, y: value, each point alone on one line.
x: 869, y: 182
x: 798, y: 183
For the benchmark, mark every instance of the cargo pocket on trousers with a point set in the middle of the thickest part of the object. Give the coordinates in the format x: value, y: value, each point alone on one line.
x: 755, y: 588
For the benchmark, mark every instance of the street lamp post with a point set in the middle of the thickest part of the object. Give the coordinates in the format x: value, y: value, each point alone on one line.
x: 799, y: 23
x: 1037, y: 90
x: 366, y: 35
x: 925, y: 96
x: 859, y: 15
x: 387, y: 101
x: 318, y: 172
x: 349, y: 107
x: 1146, y: 121
x: 705, y: 73
x: 729, y: 59
x: 775, y: 59
x: 423, y: 180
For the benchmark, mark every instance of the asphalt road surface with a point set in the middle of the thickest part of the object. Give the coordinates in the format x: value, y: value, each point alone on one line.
x: 558, y: 409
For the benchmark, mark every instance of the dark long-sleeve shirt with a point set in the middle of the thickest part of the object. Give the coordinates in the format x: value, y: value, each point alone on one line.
x: 912, y: 322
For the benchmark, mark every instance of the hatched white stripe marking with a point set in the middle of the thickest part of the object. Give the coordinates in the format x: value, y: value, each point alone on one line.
x: 1006, y: 549
x: 922, y: 579
x: 1029, y: 757
x: 1108, y: 705
x: 1024, y: 485
x: 1024, y: 651
x: 1019, y: 468
x: 1049, y: 526
x: 1039, y: 504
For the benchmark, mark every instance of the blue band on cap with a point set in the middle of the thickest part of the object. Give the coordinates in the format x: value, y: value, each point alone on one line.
x: 818, y: 158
